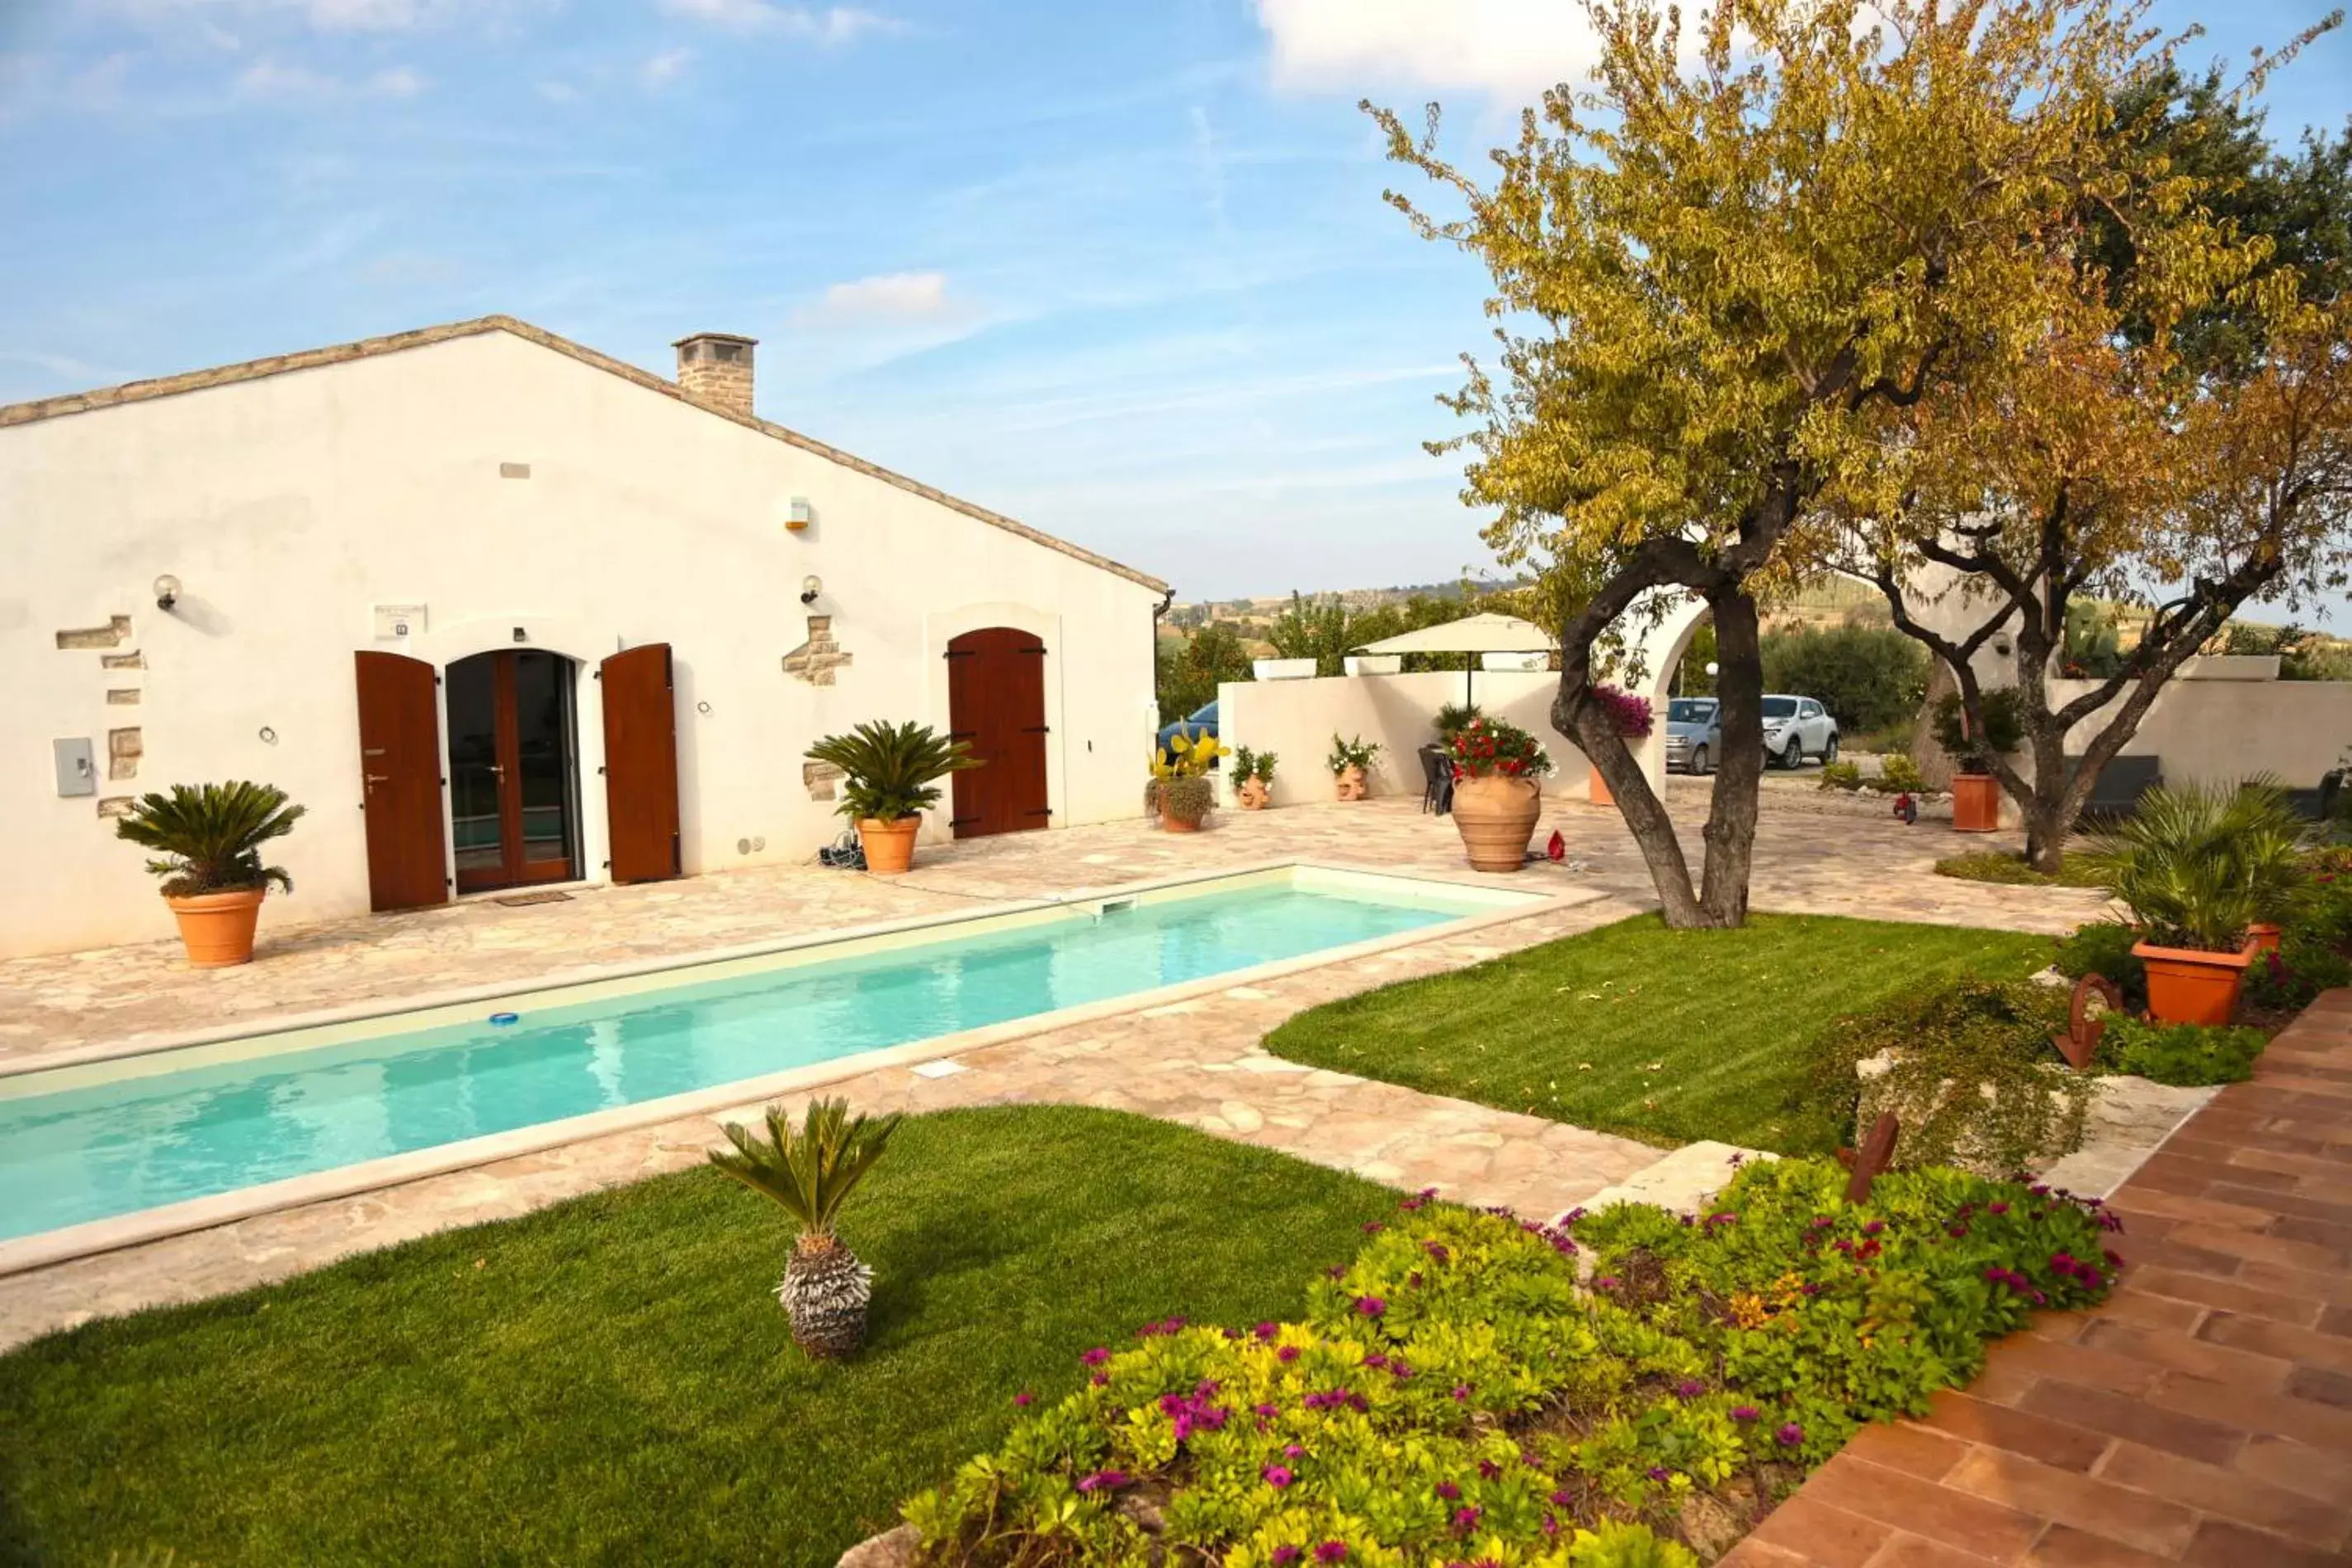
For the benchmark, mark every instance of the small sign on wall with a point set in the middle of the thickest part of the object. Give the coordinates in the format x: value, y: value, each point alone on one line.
x: 394, y: 622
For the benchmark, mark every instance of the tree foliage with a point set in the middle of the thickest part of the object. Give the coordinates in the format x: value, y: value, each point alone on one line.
x: 1869, y: 678
x: 1716, y: 274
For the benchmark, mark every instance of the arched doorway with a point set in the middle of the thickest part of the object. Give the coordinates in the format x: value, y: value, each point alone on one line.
x: 514, y: 771
x: 996, y: 702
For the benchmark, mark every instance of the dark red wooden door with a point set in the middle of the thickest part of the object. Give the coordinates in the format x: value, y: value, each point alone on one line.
x: 996, y: 700
x: 641, y: 763
x: 400, y: 774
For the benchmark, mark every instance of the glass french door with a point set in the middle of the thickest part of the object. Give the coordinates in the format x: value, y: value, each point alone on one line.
x: 514, y: 778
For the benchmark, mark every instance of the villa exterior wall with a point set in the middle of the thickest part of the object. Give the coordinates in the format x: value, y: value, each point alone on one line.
x: 293, y: 506
x: 2215, y: 730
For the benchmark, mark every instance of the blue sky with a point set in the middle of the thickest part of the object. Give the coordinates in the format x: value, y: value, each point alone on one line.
x: 1120, y: 269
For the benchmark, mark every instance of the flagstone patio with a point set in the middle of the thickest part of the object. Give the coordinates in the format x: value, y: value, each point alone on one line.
x: 1197, y: 1062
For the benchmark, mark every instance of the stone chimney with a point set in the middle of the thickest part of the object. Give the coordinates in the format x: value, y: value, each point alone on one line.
x: 715, y: 368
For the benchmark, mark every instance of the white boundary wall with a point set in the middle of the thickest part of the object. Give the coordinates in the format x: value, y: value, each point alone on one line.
x: 1296, y: 720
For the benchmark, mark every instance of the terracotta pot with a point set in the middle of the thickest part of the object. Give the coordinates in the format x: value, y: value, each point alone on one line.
x: 1349, y: 784
x: 1177, y: 825
x: 217, y: 927
x: 1496, y: 817
x: 1976, y: 803
x: 1596, y: 790
x: 1255, y: 795
x: 889, y: 846
x: 2265, y: 937
x: 2189, y: 985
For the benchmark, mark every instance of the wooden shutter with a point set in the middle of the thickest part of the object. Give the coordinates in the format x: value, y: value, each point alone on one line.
x: 641, y: 764
x: 996, y: 700
x: 400, y: 781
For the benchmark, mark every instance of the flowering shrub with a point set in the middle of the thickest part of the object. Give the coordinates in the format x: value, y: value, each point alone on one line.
x: 1630, y: 712
x: 1456, y: 1395
x: 1486, y: 747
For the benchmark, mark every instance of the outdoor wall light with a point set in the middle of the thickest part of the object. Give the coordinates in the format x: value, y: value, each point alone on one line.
x: 809, y: 589
x: 798, y: 518
x: 1712, y: 668
x: 167, y: 590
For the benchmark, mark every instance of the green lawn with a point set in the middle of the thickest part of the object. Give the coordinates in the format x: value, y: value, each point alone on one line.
x: 2074, y: 871
x: 610, y: 1380
x: 1662, y: 1035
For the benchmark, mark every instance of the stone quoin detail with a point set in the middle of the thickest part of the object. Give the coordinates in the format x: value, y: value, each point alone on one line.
x: 134, y: 660
x: 815, y: 660
x: 818, y: 779
x: 109, y: 635
x: 116, y: 805
x: 124, y: 750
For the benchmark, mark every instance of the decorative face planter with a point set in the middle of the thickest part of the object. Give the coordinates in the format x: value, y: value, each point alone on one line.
x: 1349, y: 784
x: 1496, y: 818
x: 1253, y: 795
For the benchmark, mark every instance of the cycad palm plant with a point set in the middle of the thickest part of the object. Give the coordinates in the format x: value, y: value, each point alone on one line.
x: 210, y: 836
x: 826, y: 1289
x: 2198, y: 864
x: 891, y: 768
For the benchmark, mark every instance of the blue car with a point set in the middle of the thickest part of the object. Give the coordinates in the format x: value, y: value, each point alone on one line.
x: 1202, y: 722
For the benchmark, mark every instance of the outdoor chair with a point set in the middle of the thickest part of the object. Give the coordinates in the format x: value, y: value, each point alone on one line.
x: 1437, y: 779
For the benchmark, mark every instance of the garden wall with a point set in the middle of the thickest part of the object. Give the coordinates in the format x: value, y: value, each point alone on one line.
x: 1296, y: 721
x: 2228, y: 729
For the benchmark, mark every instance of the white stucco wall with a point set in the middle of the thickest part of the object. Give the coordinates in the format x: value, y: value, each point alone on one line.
x: 2217, y: 731
x: 291, y: 506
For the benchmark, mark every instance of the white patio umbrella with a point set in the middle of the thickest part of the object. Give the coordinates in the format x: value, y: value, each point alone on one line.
x: 1486, y: 633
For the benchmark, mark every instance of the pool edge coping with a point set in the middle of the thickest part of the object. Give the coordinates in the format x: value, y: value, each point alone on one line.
x: 65, y: 1243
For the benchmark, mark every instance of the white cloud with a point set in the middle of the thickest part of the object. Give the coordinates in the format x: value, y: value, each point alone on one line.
x: 885, y: 297
x: 276, y: 81
x: 1512, y: 48
x: 827, y: 25
x: 661, y: 70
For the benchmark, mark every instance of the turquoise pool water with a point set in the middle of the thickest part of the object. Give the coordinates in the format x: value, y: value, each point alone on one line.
x: 87, y: 1154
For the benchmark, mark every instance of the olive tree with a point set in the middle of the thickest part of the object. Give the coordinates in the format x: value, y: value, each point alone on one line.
x: 1716, y: 271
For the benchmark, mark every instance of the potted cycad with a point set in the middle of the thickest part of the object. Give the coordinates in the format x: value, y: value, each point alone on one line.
x: 1976, y: 794
x: 1497, y: 792
x: 209, y: 838
x: 892, y: 772
x: 2196, y: 866
x: 826, y: 1289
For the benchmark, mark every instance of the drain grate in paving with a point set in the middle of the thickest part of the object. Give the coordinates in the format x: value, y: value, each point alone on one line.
x: 523, y: 901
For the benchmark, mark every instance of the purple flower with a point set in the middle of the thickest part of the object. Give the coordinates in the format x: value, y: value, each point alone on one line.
x: 1488, y: 1469
x: 1448, y: 1491
x: 1606, y: 1282
x: 1268, y: 1411
x: 1277, y: 1476
x: 1659, y: 1472
x: 1397, y: 1369
x: 1371, y: 1305
x: 1266, y: 1330
x: 1337, y: 1271
x: 1100, y: 1380
x: 1465, y: 1519
x: 1462, y: 1391
x: 1874, y: 1227
x: 1689, y: 1388
x: 1373, y: 1227
x: 1790, y: 1435
x: 1437, y: 1249
x: 1563, y: 1498
x: 1103, y: 1481
x: 1283, y: 1556
x: 1023, y: 1397
x: 1293, y: 1451
x: 1331, y: 1552
x: 1996, y: 1208
x: 1286, y: 1354
x: 1745, y: 1413
x: 1095, y: 1357
x: 1375, y: 1359
x: 1428, y: 1193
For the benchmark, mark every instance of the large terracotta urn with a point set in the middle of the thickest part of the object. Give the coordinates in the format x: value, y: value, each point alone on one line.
x: 1496, y: 818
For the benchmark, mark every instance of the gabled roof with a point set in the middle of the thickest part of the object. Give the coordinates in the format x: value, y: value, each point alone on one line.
x: 369, y: 348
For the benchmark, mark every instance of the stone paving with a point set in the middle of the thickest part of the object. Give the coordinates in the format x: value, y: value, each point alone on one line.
x: 1196, y: 1062
x: 2202, y: 1415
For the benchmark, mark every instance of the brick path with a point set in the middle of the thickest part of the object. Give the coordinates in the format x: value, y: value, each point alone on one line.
x: 2202, y: 1416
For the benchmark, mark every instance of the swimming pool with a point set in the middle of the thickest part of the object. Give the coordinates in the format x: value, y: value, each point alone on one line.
x: 86, y: 1143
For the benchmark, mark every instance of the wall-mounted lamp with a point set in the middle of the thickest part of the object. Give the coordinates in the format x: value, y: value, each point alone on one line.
x: 167, y: 590
x: 809, y: 589
x: 1712, y: 667
x: 800, y: 517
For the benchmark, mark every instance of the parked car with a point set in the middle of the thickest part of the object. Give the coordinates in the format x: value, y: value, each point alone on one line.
x: 1796, y: 728
x: 1694, y: 734
x: 1200, y: 722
